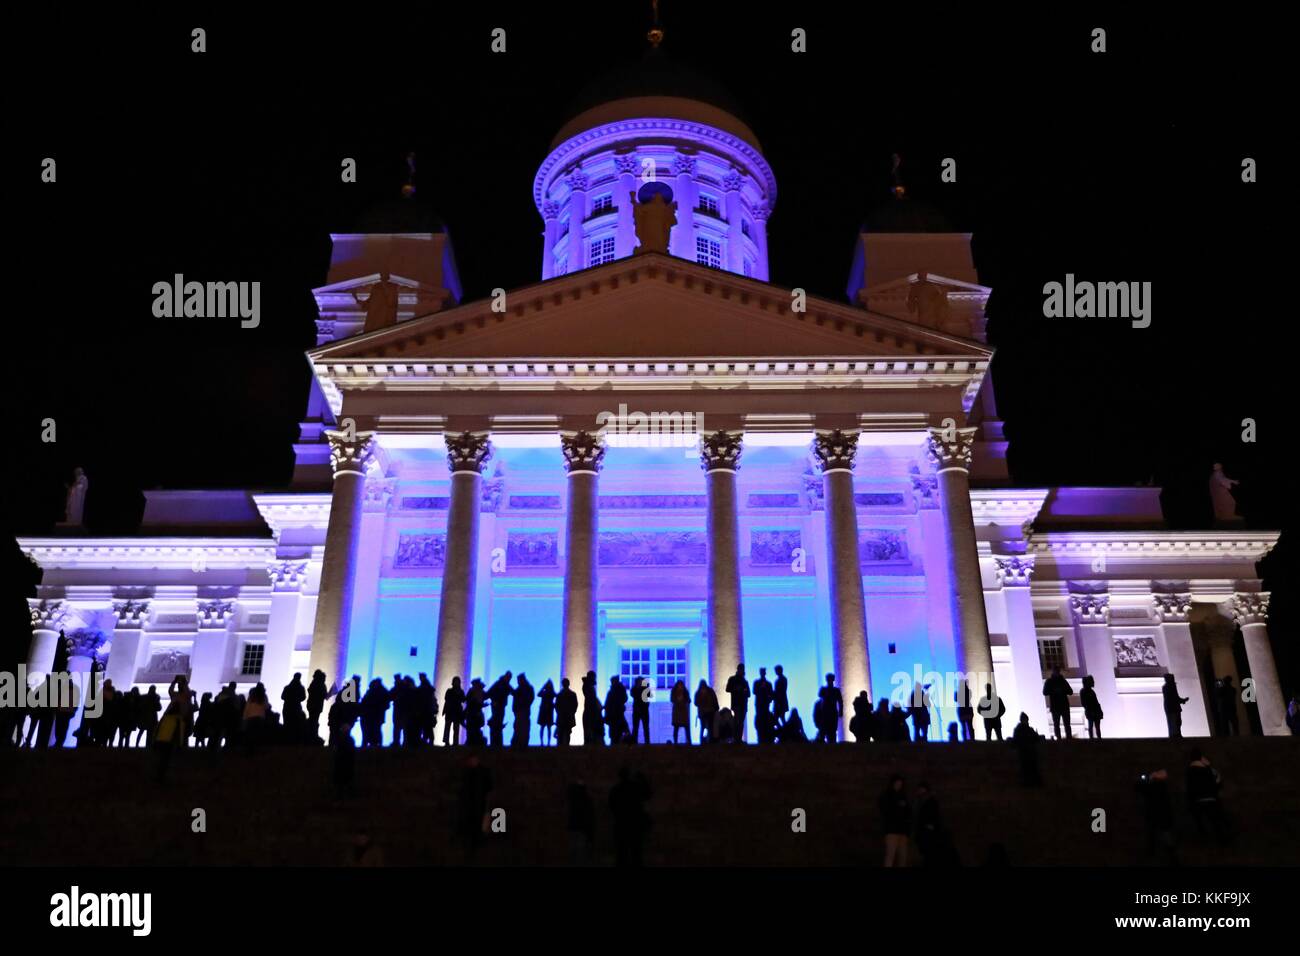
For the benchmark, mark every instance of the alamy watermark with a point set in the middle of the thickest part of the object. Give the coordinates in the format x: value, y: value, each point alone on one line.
x: 36, y: 690
x: 1098, y: 300
x: 208, y: 300
x: 651, y: 429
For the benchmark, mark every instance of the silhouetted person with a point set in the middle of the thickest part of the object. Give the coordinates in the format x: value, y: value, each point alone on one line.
x: 593, y: 721
x: 374, y: 706
x: 991, y: 709
x: 317, y: 692
x: 174, y: 726
x: 680, y: 700
x: 920, y: 713
x: 150, y: 707
x: 763, y: 694
x: 964, y: 698
x: 738, y: 689
x: 632, y: 823
x: 293, y: 696
x: 471, y: 801
x: 641, y: 696
x: 406, y: 711
x: 1226, y: 698
x: 1293, y: 716
x: 1173, y: 705
x: 453, y: 713
x: 880, y: 723
x: 896, y: 821
x: 343, y: 715
x: 1092, y: 712
x: 1025, y: 741
x: 780, y: 695
x: 566, y: 712
x: 706, y: 708
x: 1153, y: 791
x: 898, y: 724
x: 498, y: 694
x: 827, y: 711
x: 616, y: 711
x: 426, y: 696
x: 724, y: 728
x: 545, y: 713
x: 523, y: 711
x: 791, y: 730
x: 1057, y: 690
x: 65, y: 708
x: 1203, y: 785
x: 860, y: 725
x: 932, y: 837
x: 475, y: 701
x: 582, y: 820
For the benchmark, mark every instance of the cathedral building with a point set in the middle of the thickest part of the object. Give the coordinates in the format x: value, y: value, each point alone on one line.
x: 654, y: 463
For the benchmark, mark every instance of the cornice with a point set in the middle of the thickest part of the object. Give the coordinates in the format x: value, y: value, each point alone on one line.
x: 148, y: 552
x: 1153, y: 544
x: 281, y: 511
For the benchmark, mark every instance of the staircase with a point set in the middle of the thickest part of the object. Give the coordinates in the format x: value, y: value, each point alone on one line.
x: 716, y: 805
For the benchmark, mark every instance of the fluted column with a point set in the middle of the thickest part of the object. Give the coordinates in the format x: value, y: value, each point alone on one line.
x: 1091, y: 616
x: 577, y: 183
x: 551, y: 232
x: 1174, y: 613
x: 1250, y: 611
x: 835, y: 451
x: 950, y: 451
x: 48, y: 618
x: 350, y: 454
x: 1014, y: 573
x: 720, y: 457
x: 466, y: 455
x: 731, y: 183
x: 624, y: 199
x: 583, y: 455
x: 682, y: 240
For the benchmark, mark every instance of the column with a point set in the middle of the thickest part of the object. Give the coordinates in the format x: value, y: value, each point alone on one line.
x: 1091, y: 616
x: 350, y: 455
x: 682, y: 241
x: 211, y: 654
x: 761, y: 213
x: 1174, y: 613
x: 287, y: 576
x: 735, y: 238
x: 577, y: 184
x: 48, y: 618
x: 583, y: 455
x: 550, y: 232
x: 834, y: 452
x: 1022, y: 634
x: 1250, y: 611
x: 624, y: 198
x: 720, y: 458
x: 950, y: 451
x: 466, y: 455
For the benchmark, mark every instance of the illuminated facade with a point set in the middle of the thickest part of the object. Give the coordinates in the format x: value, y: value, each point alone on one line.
x: 654, y: 462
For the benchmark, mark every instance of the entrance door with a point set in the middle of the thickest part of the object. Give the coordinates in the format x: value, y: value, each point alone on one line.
x: 663, y: 665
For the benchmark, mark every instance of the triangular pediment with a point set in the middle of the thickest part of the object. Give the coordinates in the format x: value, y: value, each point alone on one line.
x: 650, y: 306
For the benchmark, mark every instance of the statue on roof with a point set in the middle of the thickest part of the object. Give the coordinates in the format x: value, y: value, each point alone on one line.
x: 75, y: 506
x: 381, y: 307
x: 929, y: 302
x: 655, y: 219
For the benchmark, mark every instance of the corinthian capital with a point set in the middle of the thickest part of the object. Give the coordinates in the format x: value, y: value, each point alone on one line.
x: 577, y: 180
x: 582, y: 451
x: 1014, y: 571
x: 351, y: 452
x: 951, y: 447
x: 720, y: 451
x: 835, y: 450
x: 733, y: 181
x: 1172, y: 608
x: 683, y: 164
x: 468, y: 452
x: 627, y: 164
x: 1250, y: 607
x: 47, y: 615
x: 1090, y: 608
x: 550, y: 209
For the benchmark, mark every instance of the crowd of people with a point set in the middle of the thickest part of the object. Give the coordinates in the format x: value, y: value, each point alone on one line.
x: 477, y: 715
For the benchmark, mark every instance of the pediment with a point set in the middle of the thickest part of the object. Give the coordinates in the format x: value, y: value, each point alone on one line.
x: 650, y: 306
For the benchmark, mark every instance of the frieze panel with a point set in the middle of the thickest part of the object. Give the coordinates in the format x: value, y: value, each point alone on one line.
x: 773, y: 546
x: 881, y: 545
x: 649, y: 502
x: 421, y: 549
x: 1136, y: 652
x: 426, y: 503
x: 651, y: 548
x: 532, y: 549
x: 879, y: 500
x: 535, y: 502
x: 773, y: 500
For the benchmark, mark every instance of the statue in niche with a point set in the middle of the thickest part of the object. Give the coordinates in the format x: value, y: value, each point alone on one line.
x: 655, y: 219
x: 75, y: 506
x: 929, y: 302
x: 1222, y: 495
x: 381, y: 307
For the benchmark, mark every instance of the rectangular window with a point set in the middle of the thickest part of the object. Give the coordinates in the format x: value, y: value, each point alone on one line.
x: 744, y: 227
x: 708, y: 252
x: 633, y: 662
x: 602, y: 204
x: 708, y: 204
x: 670, y: 667
x: 251, y: 665
x: 662, y: 666
x: 602, y: 250
x: 1051, y: 653
x: 564, y: 228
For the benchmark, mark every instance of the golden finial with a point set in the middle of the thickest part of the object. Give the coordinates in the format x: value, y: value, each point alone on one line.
x: 656, y: 34
x: 899, y: 189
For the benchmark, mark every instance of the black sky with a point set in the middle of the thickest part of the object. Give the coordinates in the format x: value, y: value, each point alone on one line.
x: 1119, y: 166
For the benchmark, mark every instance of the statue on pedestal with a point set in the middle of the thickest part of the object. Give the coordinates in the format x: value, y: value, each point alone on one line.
x: 1222, y: 496
x: 381, y: 307
x: 655, y: 219
x: 74, y: 509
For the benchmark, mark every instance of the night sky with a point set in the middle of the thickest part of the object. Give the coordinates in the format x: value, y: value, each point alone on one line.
x: 1123, y: 166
